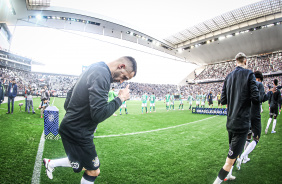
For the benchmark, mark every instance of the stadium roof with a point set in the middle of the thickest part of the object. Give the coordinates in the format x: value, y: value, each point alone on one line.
x: 200, y: 44
x: 231, y: 21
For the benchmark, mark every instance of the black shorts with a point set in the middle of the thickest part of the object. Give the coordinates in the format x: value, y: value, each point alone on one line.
x: 273, y: 110
x: 81, y: 156
x: 210, y: 102
x: 219, y: 102
x: 236, y: 144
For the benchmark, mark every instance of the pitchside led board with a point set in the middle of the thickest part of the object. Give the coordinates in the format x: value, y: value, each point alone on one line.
x: 51, y: 123
x: 211, y: 111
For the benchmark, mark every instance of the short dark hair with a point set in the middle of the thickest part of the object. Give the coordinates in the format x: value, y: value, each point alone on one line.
x: 113, y: 87
x: 133, y: 62
x: 259, y: 75
x: 275, y: 82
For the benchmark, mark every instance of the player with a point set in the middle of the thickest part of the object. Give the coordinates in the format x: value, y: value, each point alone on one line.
x: 172, y: 99
x: 112, y: 96
x: 203, y: 101
x: 210, y: 97
x: 274, y: 99
x: 255, y: 121
x: 198, y: 98
x: 181, y: 101
x: 123, y: 106
x: 167, y: 99
x: 86, y: 106
x: 144, y: 99
x: 152, y: 102
x: 219, y: 100
x: 190, y: 99
x: 239, y: 90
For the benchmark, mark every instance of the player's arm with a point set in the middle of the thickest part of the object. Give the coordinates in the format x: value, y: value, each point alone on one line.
x: 254, y: 89
x: 98, y: 87
x: 223, y: 94
x: 68, y: 98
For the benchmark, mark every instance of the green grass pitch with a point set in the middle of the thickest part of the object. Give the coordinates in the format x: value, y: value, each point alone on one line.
x: 191, y: 153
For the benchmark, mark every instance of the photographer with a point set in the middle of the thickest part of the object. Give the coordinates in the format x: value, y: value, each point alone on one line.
x: 43, y: 106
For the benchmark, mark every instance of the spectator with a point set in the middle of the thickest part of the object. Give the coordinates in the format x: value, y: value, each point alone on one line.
x: 12, y: 93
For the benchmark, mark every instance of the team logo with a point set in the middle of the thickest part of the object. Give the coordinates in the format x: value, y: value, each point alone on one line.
x: 74, y: 165
x: 51, y: 117
x: 230, y: 153
x: 96, y: 162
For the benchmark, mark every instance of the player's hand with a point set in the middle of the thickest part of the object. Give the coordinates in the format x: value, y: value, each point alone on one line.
x: 124, y: 94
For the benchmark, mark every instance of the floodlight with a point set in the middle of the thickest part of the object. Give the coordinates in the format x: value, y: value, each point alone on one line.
x: 38, y: 17
x: 221, y: 37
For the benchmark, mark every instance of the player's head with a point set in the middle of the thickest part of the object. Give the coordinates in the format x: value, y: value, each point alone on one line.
x: 259, y: 76
x: 241, y: 58
x: 123, y: 69
x: 113, y: 88
x: 219, y: 93
x: 153, y: 93
x: 275, y: 82
x: 181, y: 93
x: 13, y: 81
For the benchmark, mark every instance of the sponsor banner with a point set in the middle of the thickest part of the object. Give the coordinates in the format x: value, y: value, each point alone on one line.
x: 211, y: 111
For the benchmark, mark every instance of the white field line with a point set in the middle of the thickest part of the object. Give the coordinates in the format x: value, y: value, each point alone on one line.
x: 38, y: 161
x: 53, y: 101
x: 156, y: 130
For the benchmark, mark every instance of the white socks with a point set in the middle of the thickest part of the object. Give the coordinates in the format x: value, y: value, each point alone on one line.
x: 217, y: 181
x: 268, y: 123
x: 246, y: 144
x: 84, y: 181
x: 274, y: 124
x: 249, y: 149
x: 62, y: 162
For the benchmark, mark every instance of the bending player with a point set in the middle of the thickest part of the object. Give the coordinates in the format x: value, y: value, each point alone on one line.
x: 87, y: 106
x: 274, y: 99
x: 152, y: 102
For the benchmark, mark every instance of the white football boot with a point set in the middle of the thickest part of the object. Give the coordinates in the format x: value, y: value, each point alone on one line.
x: 49, y: 168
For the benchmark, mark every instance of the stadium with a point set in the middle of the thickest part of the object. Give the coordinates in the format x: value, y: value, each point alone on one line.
x: 184, y: 52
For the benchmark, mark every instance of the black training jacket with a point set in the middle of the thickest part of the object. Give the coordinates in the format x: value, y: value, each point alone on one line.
x: 239, y: 90
x: 87, y: 105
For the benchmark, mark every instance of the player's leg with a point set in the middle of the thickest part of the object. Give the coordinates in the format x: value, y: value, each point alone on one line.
x: 146, y: 107
x: 32, y: 107
x: 89, y: 176
x: 120, y: 110
x: 274, y: 124
x: 150, y: 107
x: 142, y: 107
x: 173, y: 105
x: 9, y: 101
x: 236, y: 145
x: 154, y: 107
x: 125, y: 108
x: 269, y: 121
x: 179, y: 106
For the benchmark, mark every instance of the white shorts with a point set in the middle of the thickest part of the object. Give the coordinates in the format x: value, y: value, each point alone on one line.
x: 181, y: 102
x: 190, y: 103
x: 203, y: 103
x: 144, y: 104
x: 171, y: 103
x: 197, y: 102
x: 167, y: 103
x: 123, y: 106
x: 152, y: 104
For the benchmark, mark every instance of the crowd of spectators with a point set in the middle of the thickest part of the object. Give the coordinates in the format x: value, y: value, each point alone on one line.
x: 266, y: 64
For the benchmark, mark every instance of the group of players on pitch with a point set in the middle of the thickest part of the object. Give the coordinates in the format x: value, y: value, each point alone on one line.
x: 87, y: 105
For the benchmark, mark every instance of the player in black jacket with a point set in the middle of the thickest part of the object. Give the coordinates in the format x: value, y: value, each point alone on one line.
x: 86, y: 106
x: 255, y: 121
x: 239, y: 90
x: 274, y: 101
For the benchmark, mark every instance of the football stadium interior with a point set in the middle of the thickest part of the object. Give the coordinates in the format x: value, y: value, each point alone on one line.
x: 163, y: 145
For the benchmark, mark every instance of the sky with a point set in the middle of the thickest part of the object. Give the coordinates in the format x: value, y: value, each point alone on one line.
x: 66, y: 52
